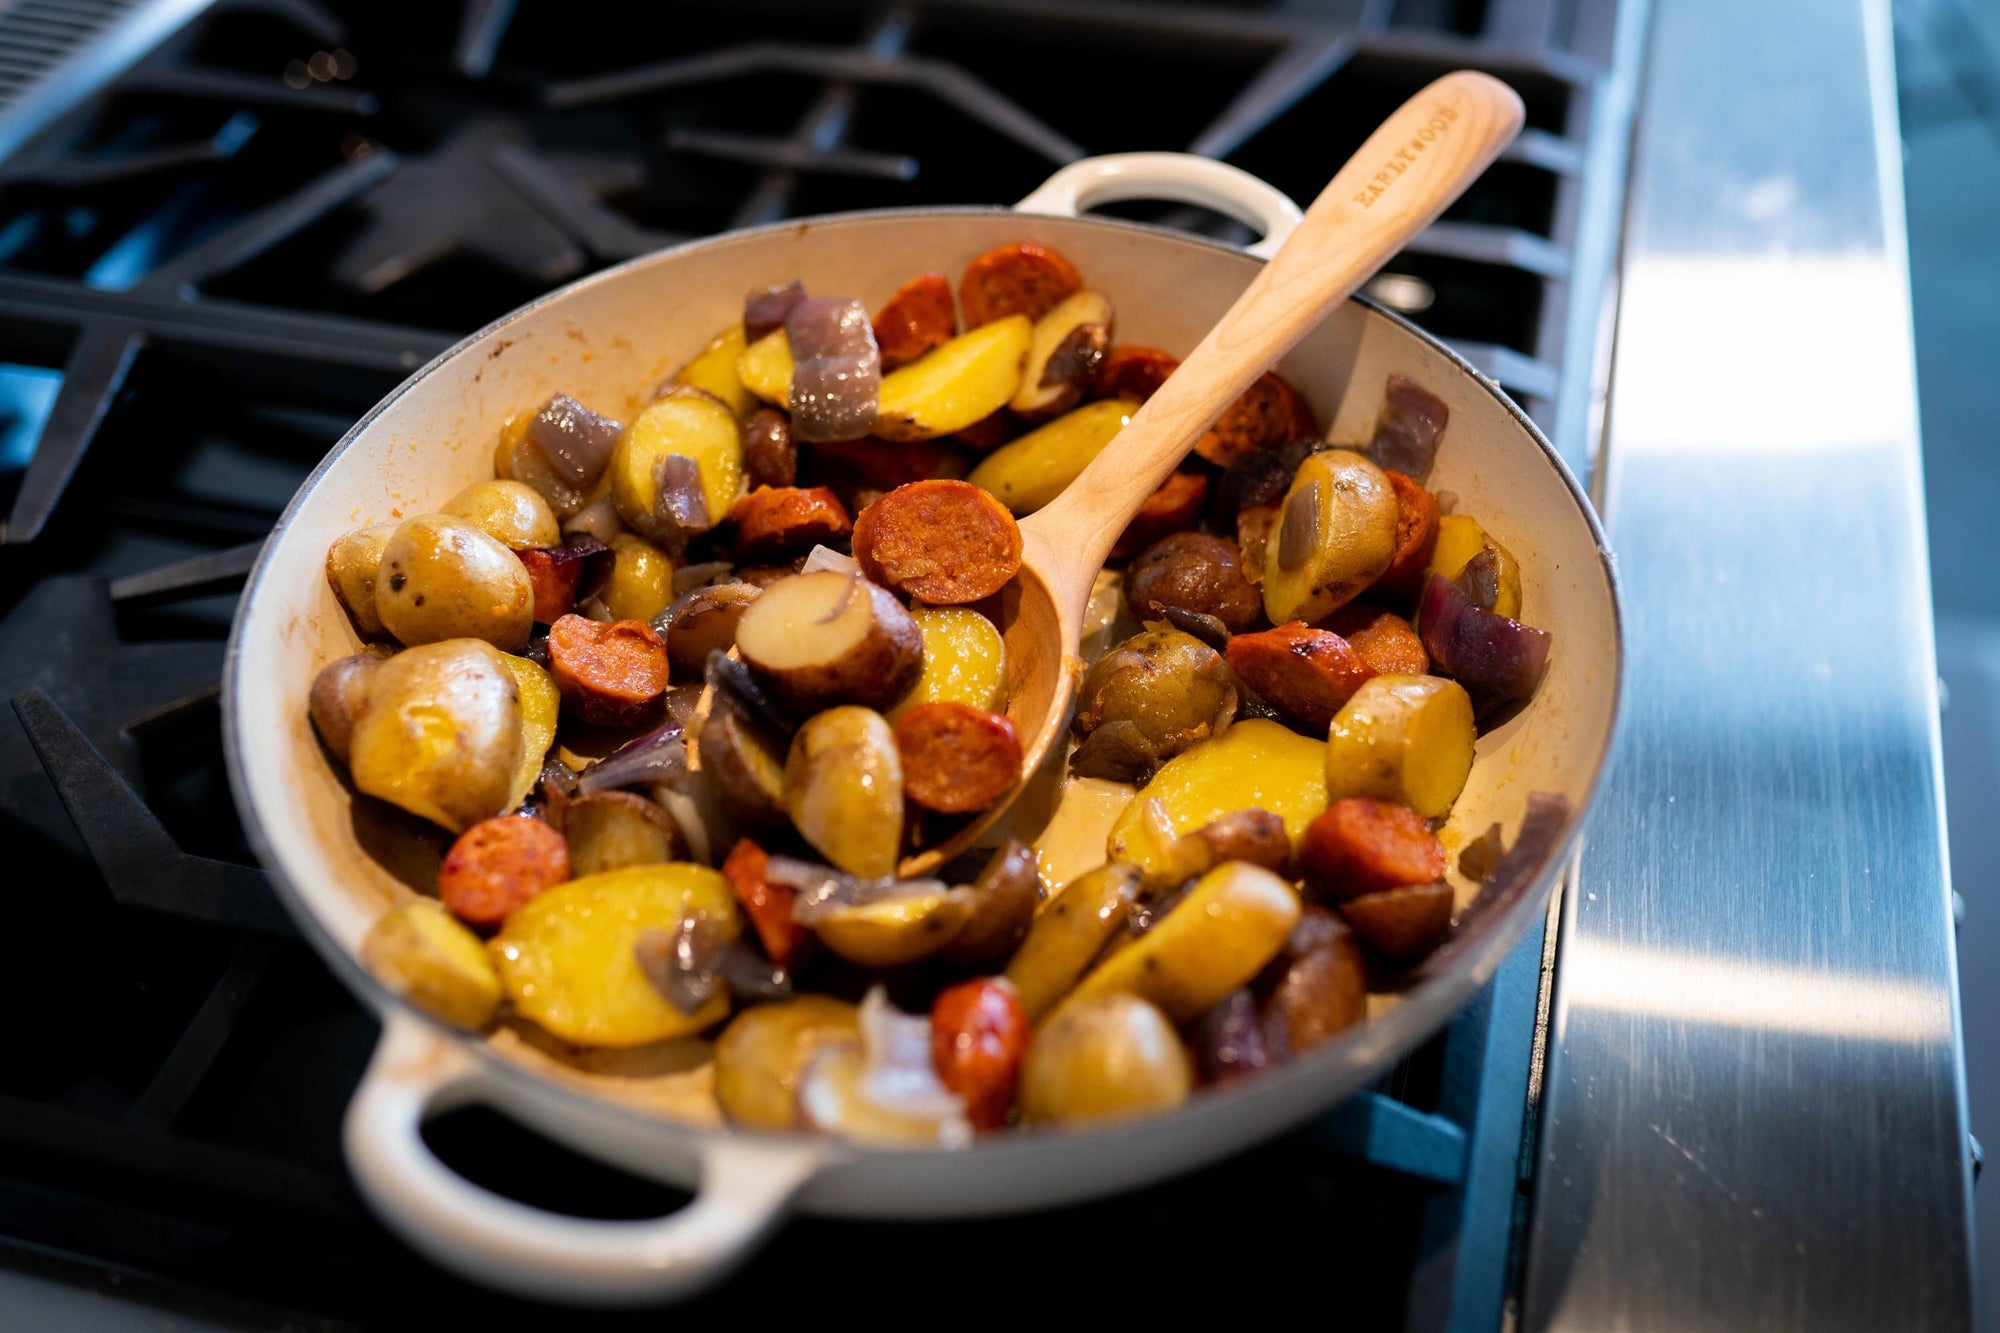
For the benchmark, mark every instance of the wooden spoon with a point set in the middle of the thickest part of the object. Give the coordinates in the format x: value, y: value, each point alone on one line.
x: 1409, y: 170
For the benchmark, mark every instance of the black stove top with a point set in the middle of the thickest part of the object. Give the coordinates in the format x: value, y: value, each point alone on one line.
x: 214, y: 265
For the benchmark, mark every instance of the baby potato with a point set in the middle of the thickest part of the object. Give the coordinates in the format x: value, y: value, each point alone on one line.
x: 424, y: 954
x: 339, y: 696
x: 610, y: 830
x: 764, y: 368
x: 568, y: 957
x: 1147, y: 700
x: 1336, y: 533
x: 951, y: 387
x: 1070, y: 932
x: 541, y: 701
x: 511, y: 512
x: 642, y: 579
x: 1402, y: 738
x: 1111, y: 1057
x: 705, y: 623
x: 687, y: 425
x: 1220, y: 935
x: 444, y: 578
x: 1256, y: 763
x: 829, y: 637
x: 353, y: 563
x: 1195, y: 571
x: 441, y: 736
x: 844, y: 789
x: 1460, y: 539
x: 965, y: 660
x: 1065, y: 349
x: 763, y: 1051
x: 713, y: 370
x: 744, y: 766
x: 1027, y: 473
x: 895, y: 932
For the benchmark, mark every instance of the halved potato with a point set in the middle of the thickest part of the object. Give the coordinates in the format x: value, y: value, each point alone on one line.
x: 966, y: 380
x: 830, y: 637
x: 424, y: 954
x: 611, y: 830
x: 1336, y: 533
x: 705, y: 622
x: 744, y: 767
x: 893, y: 932
x: 1403, y: 738
x: 1064, y: 351
x: 764, y: 368
x: 1029, y: 472
x: 844, y: 790
x: 965, y: 660
x: 762, y: 1053
x: 540, y: 704
x: 713, y: 370
x: 684, y: 424
x: 1069, y: 932
x: 1460, y: 539
x: 568, y: 957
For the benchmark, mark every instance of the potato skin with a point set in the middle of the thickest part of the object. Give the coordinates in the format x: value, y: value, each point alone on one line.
x: 1163, y: 690
x: 1067, y: 934
x: 441, y: 736
x: 1196, y: 571
x: 1403, y: 738
x: 443, y: 578
x: 1113, y: 1057
x: 763, y: 1051
x: 874, y: 672
x: 1349, y: 545
x: 1005, y: 897
x: 353, y: 563
x: 420, y: 952
x: 610, y: 830
x: 339, y: 696
x: 1321, y: 986
x: 707, y: 622
x: 745, y: 768
x: 642, y: 579
x: 894, y: 932
x: 844, y: 789
x: 510, y: 512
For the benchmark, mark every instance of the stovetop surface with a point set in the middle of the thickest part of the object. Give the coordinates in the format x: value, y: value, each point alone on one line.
x: 212, y: 268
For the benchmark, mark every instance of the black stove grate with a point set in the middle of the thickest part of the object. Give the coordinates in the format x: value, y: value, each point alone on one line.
x: 212, y: 266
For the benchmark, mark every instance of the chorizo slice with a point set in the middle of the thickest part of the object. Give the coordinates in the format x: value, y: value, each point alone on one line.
x: 1019, y: 279
x: 1175, y: 507
x: 990, y: 432
x: 1269, y: 412
x: 1361, y: 845
x: 610, y: 675
x: 957, y: 758
x: 1416, y: 539
x: 560, y: 574
x: 768, y: 905
x: 499, y: 864
x: 1135, y: 372
x: 1386, y: 642
x: 1404, y: 922
x: 942, y: 542
x: 1307, y: 673
x: 784, y: 520
x: 916, y: 319
x: 979, y: 1033
x: 851, y: 466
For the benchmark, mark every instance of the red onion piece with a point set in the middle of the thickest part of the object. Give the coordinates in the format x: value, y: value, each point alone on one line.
x: 1407, y: 433
x: 736, y: 687
x: 1480, y: 580
x: 576, y: 441
x: 750, y: 976
x: 836, y: 369
x: 1298, y: 529
x: 598, y: 519
x: 682, y: 963
x: 899, y: 1075
x: 766, y: 310
x: 1498, y: 661
x: 658, y: 756
x: 1512, y: 876
x: 1209, y: 629
x: 1229, y: 1041
x: 819, y: 890
x: 679, y: 502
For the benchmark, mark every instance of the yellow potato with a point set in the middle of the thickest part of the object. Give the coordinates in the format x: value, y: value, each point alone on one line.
x: 444, y: 578
x: 1069, y: 932
x: 511, y: 512
x: 610, y: 830
x: 567, y: 958
x: 687, y: 425
x: 441, y: 735
x: 1459, y: 539
x: 423, y: 953
x: 1256, y: 763
x: 763, y: 1051
x: 1111, y: 1058
x: 540, y: 702
x: 353, y: 563
x: 1402, y: 738
x: 1231, y: 923
x: 828, y: 637
x: 951, y: 387
x: 1063, y: 354
x: 1336, y: 533
x: 713, y: 370
x: 764, y: 368
x: 965, y: 660
x: 894, y: 932
x: 1027, y: 473
x: 642, y: 579
x: 844, y: 789
x: 518, y: 458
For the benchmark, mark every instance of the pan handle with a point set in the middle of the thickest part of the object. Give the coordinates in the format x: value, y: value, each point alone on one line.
x: 1180, y: 177
x: 745, y: 1187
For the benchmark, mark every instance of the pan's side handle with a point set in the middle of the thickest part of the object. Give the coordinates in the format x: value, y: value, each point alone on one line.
x: 1180, y: 177
x: 745, y: 1187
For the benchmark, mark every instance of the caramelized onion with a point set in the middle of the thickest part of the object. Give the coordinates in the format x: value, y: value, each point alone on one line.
x: 576, y: 441
x: 658, y: 756
x: 836, y: 369
x: 682, y: 963
x: 766, y: 310
x: 1498, y: 661
x: 1407, y: 433
x: 736, y: 687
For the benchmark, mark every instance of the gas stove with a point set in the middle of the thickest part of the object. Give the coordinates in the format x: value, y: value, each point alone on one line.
x: 226, y: 229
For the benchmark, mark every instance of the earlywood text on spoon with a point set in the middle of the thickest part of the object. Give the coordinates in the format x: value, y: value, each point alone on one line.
x: 1400, y: 163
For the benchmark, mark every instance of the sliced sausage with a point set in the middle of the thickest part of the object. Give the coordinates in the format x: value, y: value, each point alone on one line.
x: 784, y: 520
x: 499, y: 864
x: 1270, y: 412
x: 916, y: 319
x: 979, y: 1032
x: 1308, y: 673
x: 553, y: 574
x: 1416, y: 540
x: 850, y: 466
x: 1131, y: 371
x: 1386, y: 642
x: 1321, y: 986
x: 768, y: 905
x: 1402, y: 923
x: 1360, y: 845
x: 957, y: 758
x: 943, y: 542
x: 610, y: 675
x: 990, y: 432
x: 1020, y: 279
x: 1175, y: 507
x: 770, y: 454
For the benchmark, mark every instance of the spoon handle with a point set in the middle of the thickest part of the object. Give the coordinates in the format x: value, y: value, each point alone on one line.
x: 1409, y: 170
